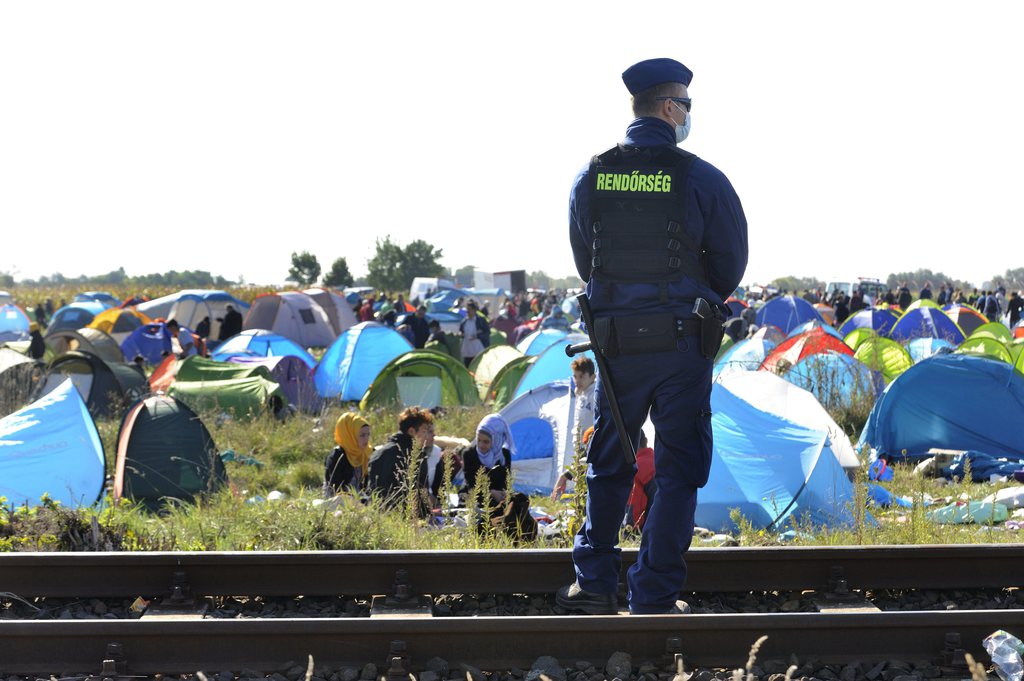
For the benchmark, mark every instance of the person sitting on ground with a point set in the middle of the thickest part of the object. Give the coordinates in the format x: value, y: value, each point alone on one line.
x: 346, y: 466
x: 556, y: 320
x: 490, y: 454
x: 389, y: 464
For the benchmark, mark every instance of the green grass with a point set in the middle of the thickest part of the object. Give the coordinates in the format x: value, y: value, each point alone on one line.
x: 291, y: 456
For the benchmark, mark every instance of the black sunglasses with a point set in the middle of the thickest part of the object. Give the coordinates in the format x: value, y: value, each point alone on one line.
x: 684, y: 101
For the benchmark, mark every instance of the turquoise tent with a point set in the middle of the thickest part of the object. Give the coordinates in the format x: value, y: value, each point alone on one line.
x: 261, y: 343
x: 539, y: 341
x: 353, y: 361
x: 51, y: 447
x: 551, y: 365
x: 771, y: 469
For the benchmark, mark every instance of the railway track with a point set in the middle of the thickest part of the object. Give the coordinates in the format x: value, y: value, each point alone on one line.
x: 177, y: 639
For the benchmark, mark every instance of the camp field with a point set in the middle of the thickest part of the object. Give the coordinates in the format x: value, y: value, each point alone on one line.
x: 274, y: 502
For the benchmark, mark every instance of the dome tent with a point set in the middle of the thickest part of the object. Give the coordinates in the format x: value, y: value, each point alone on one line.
x: 352, y: 362
x: 552, y: 364
x: 261, y: 343
x: 786, y: 312
x: 793, y: 349
x: 118, y: 323
x: 949, y: 402
x: 925, y: 322
x: 165, y: 451
x: 423, y: 378
x: 51, y: 447
x: 85, y: 340
x: 14, y: 323
x: 294, y: 315
x: 773, y: 470
x: 74, y: 316
x: 19, y: 375
x: 488, y: 363
x: 189, y: 307
x: 106, y: 387
x: 878, y: 320
x: 884, y: 355
x: 541, y: 422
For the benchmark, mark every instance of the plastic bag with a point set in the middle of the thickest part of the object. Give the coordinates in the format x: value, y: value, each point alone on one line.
x: 1005, y: 649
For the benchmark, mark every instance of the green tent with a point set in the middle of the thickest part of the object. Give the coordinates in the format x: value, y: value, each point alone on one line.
x: 885, y: 355
x: 503, y: 387
x: 994, y: 330
x: 424, y: 378
x: 451, y: 346
x: 488, y: 363
x: 244, y: 397
x: 164, y: 451
x: 1015, y: 350
x: 1018, y: 363
x: 196, y: 368
x: 985, y: 347
x: 858, y: 336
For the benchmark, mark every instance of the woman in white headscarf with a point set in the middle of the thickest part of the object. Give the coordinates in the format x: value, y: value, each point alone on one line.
x: 490, y: 454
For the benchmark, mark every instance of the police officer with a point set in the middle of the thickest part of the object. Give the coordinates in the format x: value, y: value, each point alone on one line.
x: 653, y: 229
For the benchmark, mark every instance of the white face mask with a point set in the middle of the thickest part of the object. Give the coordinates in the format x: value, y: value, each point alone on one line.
x: 683, y: 131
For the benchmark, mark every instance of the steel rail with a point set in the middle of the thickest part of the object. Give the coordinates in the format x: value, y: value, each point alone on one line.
x: 497, y: 572
x: 492, y: 642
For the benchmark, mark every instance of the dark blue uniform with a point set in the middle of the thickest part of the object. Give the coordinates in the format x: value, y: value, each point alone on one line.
x: 675, y: 386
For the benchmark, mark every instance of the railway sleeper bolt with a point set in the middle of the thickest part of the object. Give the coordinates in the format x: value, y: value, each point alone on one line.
x: 181, y: 592
x: 397, y: 671
x: 115, y: 657
x: 953, y: 651
x: 839, y: 588
x: 398, y: 650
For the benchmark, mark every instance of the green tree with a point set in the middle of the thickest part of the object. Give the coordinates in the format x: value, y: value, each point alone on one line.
x: 464, y: 275
x: 915, y: 280
x: 797, y: 285
x: 1013, y: 280
x: 339, y: 276
x: 6, y: 279
x: 305, y: 269
x: 392, y: 267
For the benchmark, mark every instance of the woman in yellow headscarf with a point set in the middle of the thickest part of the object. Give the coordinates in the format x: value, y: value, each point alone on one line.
x: 346, y: 466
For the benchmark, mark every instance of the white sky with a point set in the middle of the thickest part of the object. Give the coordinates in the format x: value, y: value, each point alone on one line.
x: 862, y: 137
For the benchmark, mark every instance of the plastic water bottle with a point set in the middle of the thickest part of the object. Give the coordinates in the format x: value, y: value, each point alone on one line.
x: 1006, y: 650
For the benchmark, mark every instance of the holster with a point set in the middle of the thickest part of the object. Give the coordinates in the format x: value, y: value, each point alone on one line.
x: 712, y: 329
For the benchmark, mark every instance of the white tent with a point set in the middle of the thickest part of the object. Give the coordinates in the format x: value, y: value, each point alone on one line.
x: 295, y: 316
x: 341, y: 314
x: 189, y: 307
x: 541, y: 421
x: 777, y: 396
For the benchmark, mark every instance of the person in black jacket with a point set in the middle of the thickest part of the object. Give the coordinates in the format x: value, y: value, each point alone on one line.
x: 490, y: 454
x: 345, y: 467
x: 389, y: 464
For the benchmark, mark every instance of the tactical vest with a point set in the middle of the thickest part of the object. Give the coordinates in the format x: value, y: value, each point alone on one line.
x: 638, y: 217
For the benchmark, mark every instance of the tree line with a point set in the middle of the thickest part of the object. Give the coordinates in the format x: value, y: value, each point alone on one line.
x: 1011, y: 280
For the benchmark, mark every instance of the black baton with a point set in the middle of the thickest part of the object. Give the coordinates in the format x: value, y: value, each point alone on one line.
x: 604, y: 375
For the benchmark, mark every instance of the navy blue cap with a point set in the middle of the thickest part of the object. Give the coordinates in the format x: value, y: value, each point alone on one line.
x: 651, y: 72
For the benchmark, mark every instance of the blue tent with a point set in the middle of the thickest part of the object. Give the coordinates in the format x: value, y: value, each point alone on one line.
x: 151, y: 341
x: 747, y: 355
x: 926, y: 322
x: 74, y: 316
x: 107, y: 299
x: 352, y: 362
x: 786, y: 312
x: 51, y: 447
x: 879, y: 320
x: 13, y: 324
x: 551, y: 365
x: 814, y: 324
x: 261, y: 343
x: 835, y: 379
x: 539, y: 341
x: 949, y: 402
x: 771, y: 469
x: 445, y: 299
x: 923, y: 348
